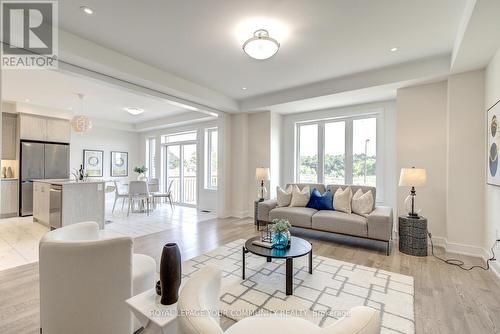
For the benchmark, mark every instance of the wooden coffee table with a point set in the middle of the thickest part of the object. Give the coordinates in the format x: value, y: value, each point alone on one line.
x: 298, y: 247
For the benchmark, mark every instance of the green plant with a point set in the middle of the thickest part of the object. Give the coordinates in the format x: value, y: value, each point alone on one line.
x: 281, y: 225
x: 140, y: 169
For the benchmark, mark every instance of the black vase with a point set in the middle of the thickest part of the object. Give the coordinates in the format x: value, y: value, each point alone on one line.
x: 170, y: 274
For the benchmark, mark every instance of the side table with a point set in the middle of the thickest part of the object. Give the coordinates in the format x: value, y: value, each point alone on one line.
x: 413, y: 235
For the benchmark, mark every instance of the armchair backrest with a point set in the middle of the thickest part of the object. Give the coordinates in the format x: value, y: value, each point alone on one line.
x: 198, y: 303
x: 84, y: 281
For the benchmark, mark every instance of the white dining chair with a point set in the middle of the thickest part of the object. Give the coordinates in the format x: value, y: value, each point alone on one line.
x: 166, y: 195
x: 119, y: 193
x: 138, y: 191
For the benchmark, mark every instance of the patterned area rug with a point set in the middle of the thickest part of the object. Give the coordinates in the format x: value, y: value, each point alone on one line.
x: 323, y: 297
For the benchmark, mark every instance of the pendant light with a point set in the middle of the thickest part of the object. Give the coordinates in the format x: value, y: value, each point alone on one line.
x: 81, y: 123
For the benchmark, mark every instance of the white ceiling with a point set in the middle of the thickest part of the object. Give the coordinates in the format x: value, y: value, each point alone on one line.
x: 321, y: 39
x: 102, y: 100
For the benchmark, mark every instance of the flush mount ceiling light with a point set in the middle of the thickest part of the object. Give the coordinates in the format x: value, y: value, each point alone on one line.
x: 261, y: 46
x: 394, y: 49
x: 87, y: 10
x: 134, y: 110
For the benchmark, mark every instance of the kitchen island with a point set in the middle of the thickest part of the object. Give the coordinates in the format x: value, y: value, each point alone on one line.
x: 62, y: 202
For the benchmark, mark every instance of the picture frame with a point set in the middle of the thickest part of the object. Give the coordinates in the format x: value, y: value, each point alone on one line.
x: 119, y: 164
x: 93, y: 162
x: 493, y: 145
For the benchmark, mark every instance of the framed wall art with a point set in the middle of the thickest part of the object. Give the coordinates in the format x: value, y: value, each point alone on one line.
x: 93, y: 162
x: 119, y: 164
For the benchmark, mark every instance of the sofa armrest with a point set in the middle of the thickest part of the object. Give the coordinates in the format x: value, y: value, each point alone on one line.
x: 263, y: 209
x: 380, y: 223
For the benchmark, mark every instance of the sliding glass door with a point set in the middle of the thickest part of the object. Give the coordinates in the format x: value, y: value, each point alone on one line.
x: 181, y: 172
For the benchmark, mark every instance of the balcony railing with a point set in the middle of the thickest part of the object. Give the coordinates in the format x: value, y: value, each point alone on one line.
x: 189, y: 185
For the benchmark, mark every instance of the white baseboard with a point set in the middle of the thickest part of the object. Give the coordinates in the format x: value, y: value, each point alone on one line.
x: 240, y: 214
x: 457, y: 248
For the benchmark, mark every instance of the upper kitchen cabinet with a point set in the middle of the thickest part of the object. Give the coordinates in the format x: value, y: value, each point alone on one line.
x: 44, y: 129
x: 9, y: 126
x: 58, y: 130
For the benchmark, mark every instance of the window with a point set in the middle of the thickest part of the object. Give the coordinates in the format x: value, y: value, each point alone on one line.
x: 179, y: 137
x: 308, y: 153
x: 339, y: 151
x: 211, y: 158
x: 151, y: 157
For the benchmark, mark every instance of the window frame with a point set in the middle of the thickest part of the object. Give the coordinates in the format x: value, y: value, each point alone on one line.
x: 208, y: 156
x: 150, y: 162
x: 348, y: 162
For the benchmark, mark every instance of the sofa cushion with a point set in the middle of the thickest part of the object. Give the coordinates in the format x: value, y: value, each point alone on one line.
x: 300, y: 198
x: 320, y: 201
x: 333, y: 188
x: 283, y: 197
x: 340, y: 222
x: 297, y: 216
x: 342, y: 200
x: 362, y: 204
x: 321, y: 187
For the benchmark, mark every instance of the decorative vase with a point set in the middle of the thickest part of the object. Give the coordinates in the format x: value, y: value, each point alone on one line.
x: 170, y: 273
x: 280, y: 240
x: 141, y: 177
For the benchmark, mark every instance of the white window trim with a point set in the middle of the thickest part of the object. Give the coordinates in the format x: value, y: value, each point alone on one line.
x: 208, y: 165
x: 348, y: 148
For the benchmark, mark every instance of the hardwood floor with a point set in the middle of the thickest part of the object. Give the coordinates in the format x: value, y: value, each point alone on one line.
x: 447, y: 299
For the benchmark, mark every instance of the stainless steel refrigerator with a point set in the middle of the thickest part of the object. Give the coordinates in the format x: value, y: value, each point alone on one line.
x: 40, y: 160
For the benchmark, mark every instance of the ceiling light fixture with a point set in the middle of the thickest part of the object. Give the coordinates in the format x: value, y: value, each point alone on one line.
x: 244, y: 88
x: 394, y: 49
x: 134, y: 110
x: 81, y: 123
x: 261, y: 46
x: 26, y: 100
x: 87, y: 10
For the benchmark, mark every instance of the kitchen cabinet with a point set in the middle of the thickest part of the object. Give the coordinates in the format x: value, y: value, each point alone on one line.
x: 9, y: 198
x: 44, y: 129
x: 58, y: 130
x: 41, y: 202
x: 9, y: 140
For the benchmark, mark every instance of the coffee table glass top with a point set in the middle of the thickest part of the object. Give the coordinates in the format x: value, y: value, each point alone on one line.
x: 298, y: 247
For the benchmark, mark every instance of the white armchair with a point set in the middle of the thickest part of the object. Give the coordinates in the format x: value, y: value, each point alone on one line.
x: 86, y: 275
x: 200, y: 295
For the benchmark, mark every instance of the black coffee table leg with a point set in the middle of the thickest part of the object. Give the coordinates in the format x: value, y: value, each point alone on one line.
x: 268, y: 259
x: 243, y: 267
x: 289, y: 276
x: 311, y: 261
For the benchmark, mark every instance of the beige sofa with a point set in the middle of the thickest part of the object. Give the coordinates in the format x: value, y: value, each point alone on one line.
x: 376, y: 226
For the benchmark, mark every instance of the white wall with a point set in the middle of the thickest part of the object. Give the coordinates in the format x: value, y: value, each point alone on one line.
x: 276, y: 152
x: 386, y: 147
x: 466, y: 158
x: 421, y: 142
x: 492, y: 193
x: 107, y: 140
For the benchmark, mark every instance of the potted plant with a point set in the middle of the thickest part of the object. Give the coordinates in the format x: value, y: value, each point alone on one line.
x: 281, y: 233
x: 141, y: 171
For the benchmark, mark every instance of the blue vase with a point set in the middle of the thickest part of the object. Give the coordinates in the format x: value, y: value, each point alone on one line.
x: 280, y: 240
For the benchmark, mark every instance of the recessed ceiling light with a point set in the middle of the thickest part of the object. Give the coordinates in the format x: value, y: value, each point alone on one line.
x: 261, y: 46
x: 244, y: 88
x: 394, y: 49
x: 134, y: 110
x: 87, y: 10
x: 26, y: 100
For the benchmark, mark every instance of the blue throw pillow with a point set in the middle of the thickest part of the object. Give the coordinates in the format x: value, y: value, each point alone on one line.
x: 321, y: 202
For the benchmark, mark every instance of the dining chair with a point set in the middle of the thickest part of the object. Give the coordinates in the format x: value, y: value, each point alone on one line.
x: 154, y: 185
x: 119, y: 193
x: 138, y: 190
x: 167, y: 195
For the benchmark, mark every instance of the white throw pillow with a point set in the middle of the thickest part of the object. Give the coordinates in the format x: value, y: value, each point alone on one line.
x: 342, y: 200
x: 283, y: 197
x: 362, y: 204
x: 300, y: 197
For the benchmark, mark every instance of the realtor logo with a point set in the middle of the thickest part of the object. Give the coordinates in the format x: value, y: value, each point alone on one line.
x: 29, y: 34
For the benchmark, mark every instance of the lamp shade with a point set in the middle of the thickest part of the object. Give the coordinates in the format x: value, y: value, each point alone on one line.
x: 262, y: 173
x: 412, y: 177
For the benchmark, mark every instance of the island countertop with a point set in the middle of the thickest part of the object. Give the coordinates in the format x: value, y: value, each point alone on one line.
x: 63, y: 182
